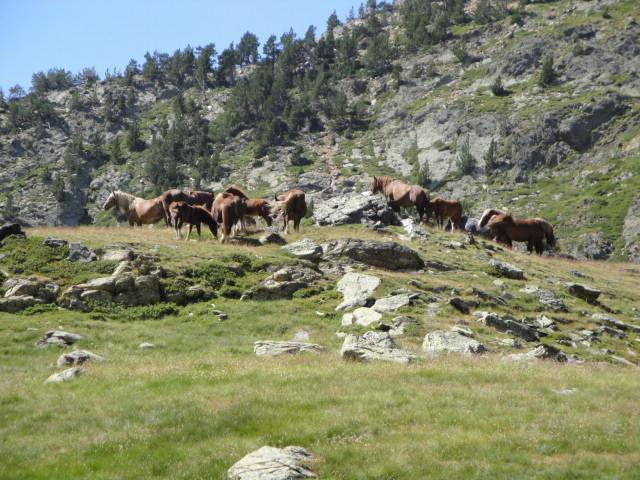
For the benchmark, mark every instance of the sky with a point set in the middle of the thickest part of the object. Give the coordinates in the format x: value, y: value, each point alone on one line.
x: 37, y: 35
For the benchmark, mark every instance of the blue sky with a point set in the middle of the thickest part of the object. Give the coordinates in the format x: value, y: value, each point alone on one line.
x: 72, y: 34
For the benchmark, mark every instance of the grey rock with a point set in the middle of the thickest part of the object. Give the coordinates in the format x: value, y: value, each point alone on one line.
x: 66, y: 375
x: 544, y: 322
x: 18, y: 303
x: 356, y: 289
x: 631, y: 231
x: 374, y: 346
x: 584, y: 292
x: 80, y: 253
x: 359, y: 208
x: 506, y: 324
x: 146, y: 346
x: 392, y: 303
x: 460, y: 305
x: 301, y: 336
x: 283, y: 283
x: 270, y: 463
x: 54, y: 242
x: 58, y: 337
x: 546, y: 298
x: 442, y: 341
x: 41, y: 289
x: 361, y: 316
x: 541, y: 352
x: 77, y: 357
x: 386, y: 255
x: 610, y: 321
x: 399, y: 325
x: 147, y: 289
x: 506, y: 270
x: 104, y: 283
x: 271, y: 348
x: 272, y: 238
x: 305, y: 249
x: 414, y: 230
x: 118, y: 255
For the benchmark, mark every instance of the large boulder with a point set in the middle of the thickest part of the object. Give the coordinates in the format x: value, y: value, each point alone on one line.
x: 271, y: 348
x: 386, y: 255
x: 77, y: 357
x: 356, y: 289
x: 80, y: 253
x: 354, y: 208
x: 442, y: 341
x: 362, y: 316
x: 270, y: 463
x: 17, y: 303
x: 584, y: 292
x: 504, y: 269
x: 374, y: 346
x: 42, y: 289
x: 305, y: 249
x: 392, y: 303
x: 509, y: 325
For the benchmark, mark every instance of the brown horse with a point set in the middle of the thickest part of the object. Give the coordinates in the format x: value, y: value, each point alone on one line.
x: 293, y: 206
x: 255, y: 207
x: 399, y: 194
x: 532, y: 230
x: 204, y: 199
x: 484, y: 219
x: 442, y: 209
x: 194, y: 215
x: 174, y: 195
x: 227, y: 210
x: 137, y: 210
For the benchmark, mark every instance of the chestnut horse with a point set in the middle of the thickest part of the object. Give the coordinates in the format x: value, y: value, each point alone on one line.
x: 227, y: 210
x: 293, y: 206
x: 442, y: 209
x: 532, y: 230
x: 486, y: 216
x: 194, y: 215
x: 202, y: 198
x: 255, y: 207
x: 137, y: 210
x: 399, y: 194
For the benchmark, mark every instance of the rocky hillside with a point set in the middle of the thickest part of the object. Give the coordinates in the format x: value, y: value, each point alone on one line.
x: 476, y: 116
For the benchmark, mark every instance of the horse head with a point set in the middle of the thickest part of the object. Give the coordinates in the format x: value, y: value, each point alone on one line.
x: 111, y: 202
x: 375, y: 184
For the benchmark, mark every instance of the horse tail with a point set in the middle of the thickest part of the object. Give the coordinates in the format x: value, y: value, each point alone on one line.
x: 547, y: 228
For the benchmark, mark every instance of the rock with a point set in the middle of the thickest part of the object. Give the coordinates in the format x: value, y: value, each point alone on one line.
x: 631, y: 231
x: 58, y: 337
x: 506, y: 324
x: 103, y: 283
x: 146, y: 345
x: 374, y: 346
x: 77, y: 357
x: 147, y: 289
x: 544, y: 322
x: 283, y: 283
x: 356, y: 289
x: 541, y: 352
x: 442, y: 341
x: 392, y: 303
x: 462, y: 330
x: 54, y: 242
x: 596, y: 246
x: 301, y: 336
x: 622, y: 361
x: 584, y: 292
x: 611, y: 331
x: 399, y: 325
x: 80, y: 253
x: 68, y: 374
x: 546, y: 298
x: 386, y: 255
x: 460, y: 305
x: 361, y: 316
x: 414, y: 230
x: 18, y: 303
x: 305, y: 249
x: 506, y: 270
x: 270, y: 348
x: 270, y: 463
x: 610, y: 321
x: 41, y: 289
x: 272, y: 238
x: 354, y: 208
x: 118, y: 255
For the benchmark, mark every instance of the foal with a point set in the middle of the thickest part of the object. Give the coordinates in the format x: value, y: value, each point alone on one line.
x: 182, y: 212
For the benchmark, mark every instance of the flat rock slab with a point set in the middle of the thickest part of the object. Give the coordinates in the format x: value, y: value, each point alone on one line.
x: 541, y: 352
x: 58, y: 337
x: 54, y: 242
x: 271, y: 463
x: 77, y: 357
x: 374, y: 346
x: 361, y: 316
x: 442, y: 341
x: 605, y: 319
x: 584, y: 292
x: 389, y: 304
x: 356, y: 289
x: 386, y: 255
x: 506, y: 270
x: 306, y: 249
x: 270, y: 348
x: 118, y: 255
x: 546, y: 298
x: 80, y: 253
x: 509, y: 325
x: 65, y: 375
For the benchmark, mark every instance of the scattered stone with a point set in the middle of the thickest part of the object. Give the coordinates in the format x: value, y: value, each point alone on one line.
x: 442, y: 341
x: 68, y: 374
x: 389, y: 304
x: 462, y: 330
x: 584, y: 292
x: 54, y: 242
x: 454, y: 245
x: 399, y: 325
x: 283, y: 283
x: 77, y: 357
x: 301, y: 336
x: 506, y: 270
x: 541, y: 352
x: 220, y: 315
x: 460, y: 305
x: 305, y: 249
x: 58, y: 337
x: 272, y: 238
x: 386, y: 255
x: 546, y: 298
x: 487, y: 297
x: 544, y: 322
x: 509, y: 325
x: 609, y: 320
x: 361, y: 316
x: 270, y: 463
x: 269, y: 348
x: 356, y: 289
x: 374, y: 346
x: 80, y: 253
x: 146, y: 345
x: 414, y: 230
x: 118, y: 255
x: 511, y: 342
x: 613, y: 332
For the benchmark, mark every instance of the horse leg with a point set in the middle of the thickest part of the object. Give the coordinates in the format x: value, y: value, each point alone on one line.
x: 296, y: 223
x: 198, y: 230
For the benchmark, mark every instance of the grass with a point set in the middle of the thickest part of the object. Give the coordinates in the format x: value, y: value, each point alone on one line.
x: 201, y: 400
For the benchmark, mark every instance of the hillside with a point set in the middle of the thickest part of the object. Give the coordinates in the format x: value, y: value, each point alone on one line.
x: 381, y: 93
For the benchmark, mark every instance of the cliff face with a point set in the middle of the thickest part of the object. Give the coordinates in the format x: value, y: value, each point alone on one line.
x: 569, y: 151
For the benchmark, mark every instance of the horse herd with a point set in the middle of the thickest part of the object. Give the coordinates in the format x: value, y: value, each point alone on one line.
x: 232, y: 210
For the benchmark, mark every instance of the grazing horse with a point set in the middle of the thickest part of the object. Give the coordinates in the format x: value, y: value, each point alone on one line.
x: 227, y: 210
x: 293, y: 206
x: 255, y: 207
x: 194, y: 215
x: 170, y: 196
x: 442, y: 209
x: 532, y: 230
x: 137, y: 210
x: 399, y: 194
x: 484, y: 219
x: 11, y: 229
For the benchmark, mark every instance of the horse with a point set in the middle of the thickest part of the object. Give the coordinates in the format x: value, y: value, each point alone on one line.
x: 227, y: 210
x: 446, y: 208
x: 202, y: 198
x: 137, y: 210
x: 532, y: 230
x: 174, y: 195
x: 293, y: 206
x: 11, y: 229
x: 255, y: 207
x: 399, y: 194
x: 194, y: 215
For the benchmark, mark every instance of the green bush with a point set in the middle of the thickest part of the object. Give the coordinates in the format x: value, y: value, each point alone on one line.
x: 547, y: 73
x: 497, y: 88
x: 466, y: 162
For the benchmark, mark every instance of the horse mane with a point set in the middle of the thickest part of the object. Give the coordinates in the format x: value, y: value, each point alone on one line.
x: 487, y: 214
x: 236, y: 191
x: 128, y: 196
x: 384, y: 180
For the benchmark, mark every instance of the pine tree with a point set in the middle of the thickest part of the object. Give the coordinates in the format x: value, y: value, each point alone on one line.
x: 491, y: 158
x: 547, y: 73
x: 134, y: 141
x: 3, y: 102
x: 466, y: 162
x: 57, y: 188
x: 248, y: 49
x: 204, y: 65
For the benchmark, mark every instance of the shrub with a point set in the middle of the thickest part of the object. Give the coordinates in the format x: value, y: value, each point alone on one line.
x: 460, y: 52
x: 547, y: 74
x: 466, y: 162
x: 497, y: 88
x: 491, y: 157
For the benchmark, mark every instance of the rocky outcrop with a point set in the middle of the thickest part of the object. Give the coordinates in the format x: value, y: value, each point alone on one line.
x: 442, y: 341
x: 354, y: 208
x: 304, y: 249
x: 271, y: 348
x: 631, y: 231
x: 270, y: 463
x: 386, y: 255
x: 356, y: 289
x: 509, y: 325
x: 22, y: 293
x: 507, y: 270
x: 374, y: 346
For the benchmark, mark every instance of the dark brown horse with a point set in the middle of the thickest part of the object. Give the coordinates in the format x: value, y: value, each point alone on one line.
x: 533, y: 231
x: 442, y: 209
x: 255, y: 207
x: 194, y: 215
x: 202, y: 198
x: 399, y: 194
x: 293, y: 206
x: 228, y: 209
x: 170, y: 196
